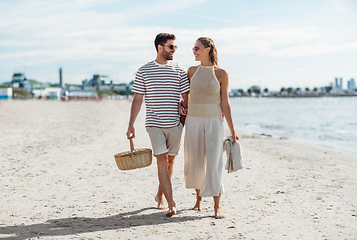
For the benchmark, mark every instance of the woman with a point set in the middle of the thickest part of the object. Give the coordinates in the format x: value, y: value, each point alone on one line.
x: 204, y: 125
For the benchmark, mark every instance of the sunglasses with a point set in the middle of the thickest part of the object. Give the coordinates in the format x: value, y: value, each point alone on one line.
x: 172, y: 47
x: 196, y: 48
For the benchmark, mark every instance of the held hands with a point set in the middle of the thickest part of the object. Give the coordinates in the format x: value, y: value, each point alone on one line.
x: 131, y: 132
x: 182, y: 110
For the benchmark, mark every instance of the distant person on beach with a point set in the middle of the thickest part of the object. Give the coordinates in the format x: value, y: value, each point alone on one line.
x: 203, y: 147
x: 163, y: 83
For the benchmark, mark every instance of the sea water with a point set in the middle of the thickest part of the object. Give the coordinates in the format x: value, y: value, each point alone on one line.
x: 329, y: 122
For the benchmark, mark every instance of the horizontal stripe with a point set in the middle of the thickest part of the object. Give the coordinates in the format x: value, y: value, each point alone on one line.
x: 162, y: 86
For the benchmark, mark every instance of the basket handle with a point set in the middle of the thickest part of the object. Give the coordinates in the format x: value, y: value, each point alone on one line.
x: 131, y: 146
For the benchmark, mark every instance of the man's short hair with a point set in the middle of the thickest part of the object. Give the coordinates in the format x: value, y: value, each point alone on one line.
x: 162, y: 38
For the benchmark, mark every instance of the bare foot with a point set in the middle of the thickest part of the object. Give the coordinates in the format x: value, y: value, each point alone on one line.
x: 218, y: 213
x: 160, y: 202
x: 198, y: 206
x: 171, y: 212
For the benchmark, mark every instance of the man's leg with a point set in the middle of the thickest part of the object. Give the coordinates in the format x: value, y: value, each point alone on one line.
x: 160, y: 194
x: 165, y: 181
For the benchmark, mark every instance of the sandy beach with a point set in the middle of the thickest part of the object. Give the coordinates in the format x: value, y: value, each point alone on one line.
x: 59, y: 180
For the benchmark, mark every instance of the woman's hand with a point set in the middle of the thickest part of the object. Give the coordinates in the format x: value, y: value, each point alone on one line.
x: 182, y: 110
x: 235, y: 136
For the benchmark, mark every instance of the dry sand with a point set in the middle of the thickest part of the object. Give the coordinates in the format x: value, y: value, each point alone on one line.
x: 59, y: 180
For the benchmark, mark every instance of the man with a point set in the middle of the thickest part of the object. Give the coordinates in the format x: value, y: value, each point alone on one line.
x: 162, y: 82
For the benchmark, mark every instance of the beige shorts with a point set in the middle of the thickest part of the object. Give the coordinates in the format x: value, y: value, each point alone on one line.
x: 165, y: 140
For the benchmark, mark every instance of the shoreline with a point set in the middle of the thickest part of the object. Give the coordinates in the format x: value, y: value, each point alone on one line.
x: 296, y: 95
x: 60, y: 181
x: 311, y: 143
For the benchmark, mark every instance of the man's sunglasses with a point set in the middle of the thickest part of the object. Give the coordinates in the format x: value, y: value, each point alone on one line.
x: 172, y: 47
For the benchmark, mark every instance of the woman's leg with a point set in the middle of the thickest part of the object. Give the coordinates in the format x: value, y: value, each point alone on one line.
x: 217, y: 207
x: 198, y: 206
x: 212, y: 184
x: 194, y: 153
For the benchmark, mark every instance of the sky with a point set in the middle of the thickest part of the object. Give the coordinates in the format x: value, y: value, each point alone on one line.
x: 272, y: 44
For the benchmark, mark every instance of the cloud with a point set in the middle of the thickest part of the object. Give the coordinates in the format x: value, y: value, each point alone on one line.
x: 209, y: 17
x: 282, y: 43
x: 76, y: 33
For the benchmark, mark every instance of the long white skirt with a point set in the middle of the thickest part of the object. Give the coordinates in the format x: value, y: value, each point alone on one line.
x: 203, y: 149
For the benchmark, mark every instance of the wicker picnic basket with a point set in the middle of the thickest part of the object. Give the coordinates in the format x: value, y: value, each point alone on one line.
x: 133, y: 159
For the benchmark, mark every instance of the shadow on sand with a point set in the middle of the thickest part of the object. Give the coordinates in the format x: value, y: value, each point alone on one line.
x: 70, y: 226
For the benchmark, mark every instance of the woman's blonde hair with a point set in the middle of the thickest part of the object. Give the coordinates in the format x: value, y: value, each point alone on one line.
x: 208, y: 42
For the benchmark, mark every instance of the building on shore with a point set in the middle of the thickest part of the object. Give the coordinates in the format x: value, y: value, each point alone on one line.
x: 98, y: 86
x: 49, y: 93
x: 6, y: 93
x: 103, y: 83
x: 337, y: 88
x: 61, y: 83
x: 351, y: 85
x: 19, y: 80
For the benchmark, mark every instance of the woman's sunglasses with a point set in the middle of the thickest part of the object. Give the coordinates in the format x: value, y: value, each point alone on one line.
x: 196, y: 48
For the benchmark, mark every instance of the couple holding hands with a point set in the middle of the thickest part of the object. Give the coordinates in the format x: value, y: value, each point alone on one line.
x: 201, y: 94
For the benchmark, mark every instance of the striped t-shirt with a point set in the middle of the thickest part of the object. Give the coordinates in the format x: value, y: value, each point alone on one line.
x: 162, y: 85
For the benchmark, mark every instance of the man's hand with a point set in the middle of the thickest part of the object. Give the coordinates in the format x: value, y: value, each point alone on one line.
x: 131, y: 132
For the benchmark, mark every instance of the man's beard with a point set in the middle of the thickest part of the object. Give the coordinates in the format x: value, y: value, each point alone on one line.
x: 167, y: 55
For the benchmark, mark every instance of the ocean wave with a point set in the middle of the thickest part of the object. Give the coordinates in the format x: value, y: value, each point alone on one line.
x: 252, y: 126
x: 344, y: 132
x: 273, y: 126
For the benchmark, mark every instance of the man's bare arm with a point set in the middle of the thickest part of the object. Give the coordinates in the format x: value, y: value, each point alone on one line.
x: 134, y: 111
